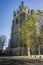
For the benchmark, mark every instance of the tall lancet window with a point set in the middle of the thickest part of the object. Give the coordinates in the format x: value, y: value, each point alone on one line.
x: 16, y: 21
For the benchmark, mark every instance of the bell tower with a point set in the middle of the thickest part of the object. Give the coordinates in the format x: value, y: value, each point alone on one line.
x: 18, y: 15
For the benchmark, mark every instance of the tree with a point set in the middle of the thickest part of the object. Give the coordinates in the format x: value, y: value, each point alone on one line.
x: 40, y: 35
x: 28, y: 31
x: 2, y: 40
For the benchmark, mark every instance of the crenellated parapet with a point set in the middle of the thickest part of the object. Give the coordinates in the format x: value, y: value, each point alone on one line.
x: 22, y: 8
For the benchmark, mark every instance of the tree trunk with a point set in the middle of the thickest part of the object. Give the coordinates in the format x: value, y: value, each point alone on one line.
x: 28, y: 51
x: 39, y: 49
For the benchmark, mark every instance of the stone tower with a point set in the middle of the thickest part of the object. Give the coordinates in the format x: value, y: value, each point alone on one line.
x: 18, y: 16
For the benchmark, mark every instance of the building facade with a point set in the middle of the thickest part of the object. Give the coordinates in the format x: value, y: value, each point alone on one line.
x: 16, y: 46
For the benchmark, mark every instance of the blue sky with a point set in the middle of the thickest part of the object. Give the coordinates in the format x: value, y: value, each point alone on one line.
x: 6, y: 13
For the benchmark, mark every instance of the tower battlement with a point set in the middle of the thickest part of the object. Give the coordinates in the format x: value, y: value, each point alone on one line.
x: 22, y: 8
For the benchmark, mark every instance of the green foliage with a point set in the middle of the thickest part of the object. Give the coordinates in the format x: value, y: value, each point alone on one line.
x: 28, y: 32
x: 28, y: 29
